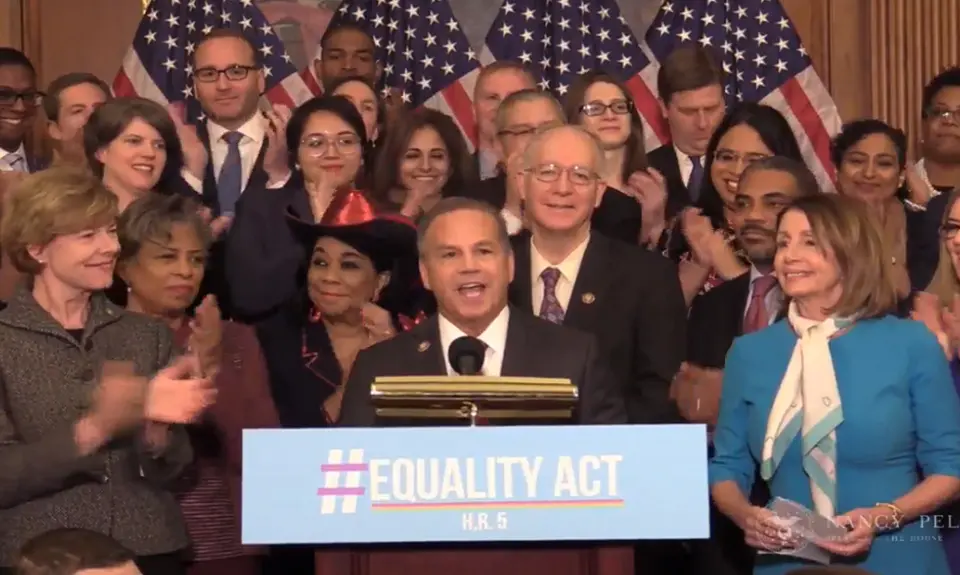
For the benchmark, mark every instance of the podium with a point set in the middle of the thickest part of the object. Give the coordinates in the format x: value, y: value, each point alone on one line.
x: 475, y: 499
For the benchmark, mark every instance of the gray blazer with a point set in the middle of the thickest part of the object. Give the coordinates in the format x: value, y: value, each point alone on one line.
x: 47, y: 378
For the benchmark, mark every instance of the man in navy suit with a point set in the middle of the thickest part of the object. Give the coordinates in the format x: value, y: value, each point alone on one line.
x: 19, y: 99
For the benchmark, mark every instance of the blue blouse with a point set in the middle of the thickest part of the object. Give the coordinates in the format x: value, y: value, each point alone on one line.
x: 901, y: 417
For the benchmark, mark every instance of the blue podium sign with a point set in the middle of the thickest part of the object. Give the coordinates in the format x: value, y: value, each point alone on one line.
x: 442, y: 484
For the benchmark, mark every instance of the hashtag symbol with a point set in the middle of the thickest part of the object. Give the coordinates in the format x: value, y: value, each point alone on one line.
x: 350, y: 472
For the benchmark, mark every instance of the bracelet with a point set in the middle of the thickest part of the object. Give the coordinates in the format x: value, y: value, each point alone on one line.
x: 895, y: 522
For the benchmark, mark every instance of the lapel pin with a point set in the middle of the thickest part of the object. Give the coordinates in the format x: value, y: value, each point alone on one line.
x: 424, y: 346
x: 588, y: 298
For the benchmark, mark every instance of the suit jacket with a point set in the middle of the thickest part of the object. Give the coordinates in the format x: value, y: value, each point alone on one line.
x: 618, y: 216
x: 631, y: 300
x: 716, y: 319
x: 664, y: 160
x: 534, y: 348
x: 47, y: 381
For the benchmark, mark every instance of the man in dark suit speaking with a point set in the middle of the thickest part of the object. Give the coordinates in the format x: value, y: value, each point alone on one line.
x: 467, y: 262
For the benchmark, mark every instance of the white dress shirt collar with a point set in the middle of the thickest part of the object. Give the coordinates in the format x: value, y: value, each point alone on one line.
x: 569, y: 267
x: 495, y: 338
x: 253, y: 128
x: 21, y: 152
x: 685, y: 163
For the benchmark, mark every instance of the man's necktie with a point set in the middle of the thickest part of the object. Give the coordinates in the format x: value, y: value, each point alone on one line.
x: 231, y: 174
x: 550, y: 308
x: 696, y: 178
x: 757, y: 317
x: 15, y: 162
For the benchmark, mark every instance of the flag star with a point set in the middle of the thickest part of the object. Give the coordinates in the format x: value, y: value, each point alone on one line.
x: 408, y: 54
x: 150, y: 37
x: 663, y: 29
x: 625, y: 61
x: 738, y: 55
x: 225, y: 17
x: 192, y: 4
x: 394, y: 4
x: 760, y: 61
x: 782, y: 44
x: 187, y: 91
x: 266, y: 29
x: 344, y: 8
x: 266, y: 50
x: 527, y: 36
x: 393, y: 25
x: 562, y: 89
x: 544, y: 84
x: 583, y: 70
x: 189, y: 48
x: 563, y: 67
x: 191, y: 26
x: 604, y: 13
x: 564, y: 23
x: 545, y: 62
x: 505, y: 29
x: 740, y: 34
x: 507, y: 8
x: 604, y: 35
x: 668, y: 8
x: 525, y: 57
x: 625, y: 39
x: 684, y: 36
x: 741, y: 12
x: 391, y: 47
x: 761, y: 18
x: 246, y: 24
x: 802, y: 50
x: 171, y: 42
x: 727, y: 26
x: 727, y: 68
x: 411, y: 33
x: 705, y: 41
x: 286, y: 58
x: 584, y: 29
x: 450, y: 46
x: 471, y: 55
x: 433, y: 18
x: 377, y: 21
x: 405, y: 97
x: 407, y: 76
x: 388, y: 69
x: 564, y: 3
x: 170, y: 64
x: 207, y: 9
x: 707, y: 19
x: 687, y: 14
x: 781, y: 66
x: 783, y: 23
x: 447, y: 69
x: 246, y: 3
x: 385, y: 91
x: 584, y: 6
x: 427, y: 62
x: 452, y: 25
x: 173, y: 21
x: 267, y: 72
x: 761, y: 39
x: 546, y: 41
x: 757, y: 82
x: 564, y: 45
x: 424, y: 83
x: 726, y: 47
x: 547, y: 19
x: 359, y: 13
x: 528, y: 14
x: 377, y: 40
x: 584, y: 51
x: 603, y: 57
x: 152, y: 15
x: 207, y: 29
x: 739, y: 75
x: 430, y: 40
x: 413, y: 11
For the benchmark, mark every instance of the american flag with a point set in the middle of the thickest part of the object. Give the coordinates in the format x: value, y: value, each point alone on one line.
x: 764, y: 61
x: 157, y: 65
x: 425, y: 54
x: 558, y: 40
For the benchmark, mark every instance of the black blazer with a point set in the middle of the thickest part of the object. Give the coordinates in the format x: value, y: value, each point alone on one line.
x: 534, y: 348
x: 618, y: 216
x: 631, y: 300
x: 716, y: 319
x: 664, y: 160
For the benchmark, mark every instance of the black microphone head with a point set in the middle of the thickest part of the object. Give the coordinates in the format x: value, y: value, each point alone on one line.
x: 466, y: 355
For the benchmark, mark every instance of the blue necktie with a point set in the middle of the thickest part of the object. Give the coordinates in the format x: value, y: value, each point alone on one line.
x: 550, y: 308
x: 696, y: 178
x: 231, y: 174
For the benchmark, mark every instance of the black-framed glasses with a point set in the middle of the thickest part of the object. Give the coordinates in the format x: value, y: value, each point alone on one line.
x: 233, y: 73
x: 944, y: 114
x: 618, y: 107
x: 949, y: 230
x: 550, y: 173
x: 30, y: 98
x: 346, y: 144
x: 728, y: 157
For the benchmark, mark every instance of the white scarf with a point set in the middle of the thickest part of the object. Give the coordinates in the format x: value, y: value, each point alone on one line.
x: 808, y: 401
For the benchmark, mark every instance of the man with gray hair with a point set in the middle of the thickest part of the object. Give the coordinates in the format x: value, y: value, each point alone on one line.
x: 467, y: 262
x: 628, y: 297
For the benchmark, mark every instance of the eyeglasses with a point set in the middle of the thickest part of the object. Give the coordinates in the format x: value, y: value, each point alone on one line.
x: 526, y: 130
x: 30, y: 98
x: 550, y: 173
x: 944, y: 115
x: 620, y: 107
x: 346, y: 144
x: 949, y: 230
x: 233, y: 73
x: 728, y: 157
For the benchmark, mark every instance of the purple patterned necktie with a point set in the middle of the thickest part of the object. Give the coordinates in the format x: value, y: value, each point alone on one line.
x: 550, y: 308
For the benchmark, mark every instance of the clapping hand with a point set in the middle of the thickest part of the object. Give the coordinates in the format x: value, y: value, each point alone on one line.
x: 176, y: 395
x: 650, y: 189
x: 206, y: 335
x: 276, y: 161
x: 195, y: 154
x: 320, y: 190
x: 698, y: 230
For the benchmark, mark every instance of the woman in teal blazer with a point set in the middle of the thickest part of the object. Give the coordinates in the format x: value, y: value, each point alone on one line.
x: 846, y: 409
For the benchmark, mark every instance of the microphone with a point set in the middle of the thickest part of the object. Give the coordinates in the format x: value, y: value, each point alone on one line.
x: 466, y: 355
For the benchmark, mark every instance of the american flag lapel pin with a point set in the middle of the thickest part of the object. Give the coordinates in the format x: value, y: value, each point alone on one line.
x: 424, y: 346
x: 588, y: 298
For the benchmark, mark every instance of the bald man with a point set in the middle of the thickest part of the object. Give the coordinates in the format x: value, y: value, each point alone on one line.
x: 628, y: 297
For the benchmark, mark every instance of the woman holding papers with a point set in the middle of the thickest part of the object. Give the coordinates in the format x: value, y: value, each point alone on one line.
x: 842, y: 405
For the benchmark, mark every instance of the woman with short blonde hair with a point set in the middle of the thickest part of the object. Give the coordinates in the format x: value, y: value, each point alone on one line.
x: 840, y: 404
x: 85, y: 439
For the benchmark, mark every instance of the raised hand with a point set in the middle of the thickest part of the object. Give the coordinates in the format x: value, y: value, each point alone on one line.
x: 698, y: 230
x: 218, y: 225
x: 195, y: 155
x: 378, y: 323
x: 320, y: 192
x: 276, y: 161
x: 118, y: 401
x: 206, y: 335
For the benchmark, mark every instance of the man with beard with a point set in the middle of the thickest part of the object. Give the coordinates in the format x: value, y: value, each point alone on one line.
x: 745, y: 304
